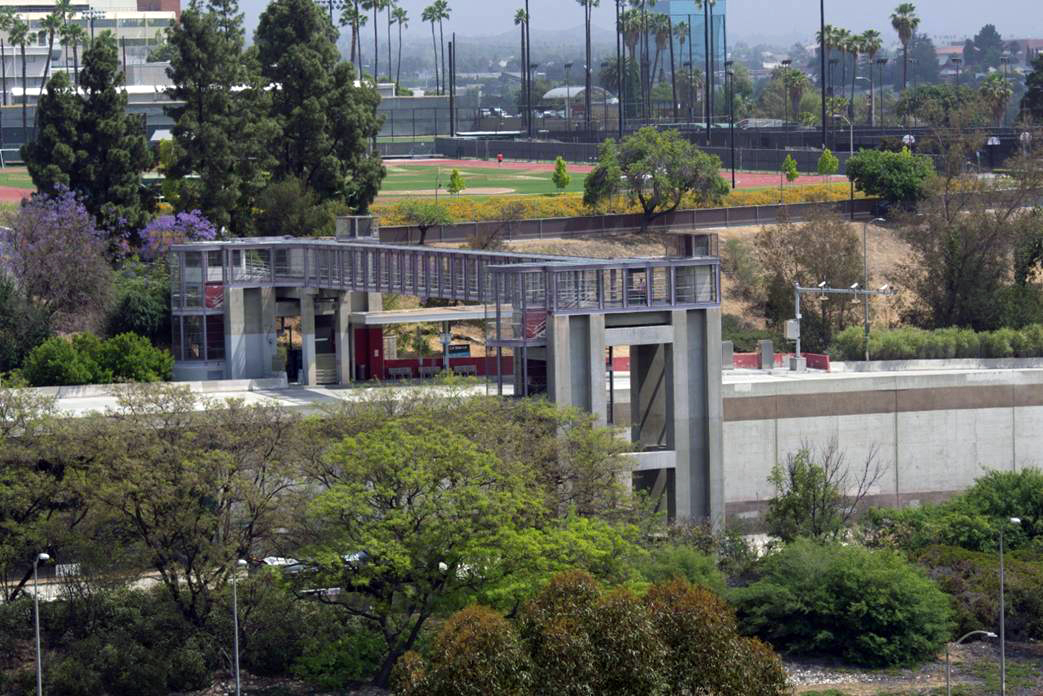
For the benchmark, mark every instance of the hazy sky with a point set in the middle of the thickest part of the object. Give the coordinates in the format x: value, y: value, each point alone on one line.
x: 750, y: 19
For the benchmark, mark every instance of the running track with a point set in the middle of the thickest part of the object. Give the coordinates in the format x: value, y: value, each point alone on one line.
x: 743, y: 180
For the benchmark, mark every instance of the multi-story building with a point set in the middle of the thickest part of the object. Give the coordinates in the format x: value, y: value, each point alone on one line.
x: 139, y: 26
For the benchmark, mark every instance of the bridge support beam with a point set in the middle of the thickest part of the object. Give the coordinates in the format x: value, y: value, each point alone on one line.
x: 309, y: 372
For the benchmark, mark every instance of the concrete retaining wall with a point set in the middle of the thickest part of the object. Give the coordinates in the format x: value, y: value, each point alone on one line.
x: 934, y: 432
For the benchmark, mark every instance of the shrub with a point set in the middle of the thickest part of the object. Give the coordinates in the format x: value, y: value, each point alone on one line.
x: 55, y: 362
x: 971, y: 579
x: 704, y: 653
x: 897, y: 177
x: 86, y: 359
x: 909, y: 343
x: 672, y: 561
x: 23, y: 326
x: 142, y: 303
x: 867, y: 607
x: 477, y: 652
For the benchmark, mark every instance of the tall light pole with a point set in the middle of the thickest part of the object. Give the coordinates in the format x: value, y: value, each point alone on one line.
x: 865, y: 279
x: 91, y: 14
x: 730, y: 76
x: 882, y: 62
x: 1003, y: 611
x: 40, y: 558
x: 822, y: 75
x: 568, y: 99
x: 621, y: 78
x: 948, y: 684
x: 604, y: 99
x: 235, y: 621
x: 957, y: 62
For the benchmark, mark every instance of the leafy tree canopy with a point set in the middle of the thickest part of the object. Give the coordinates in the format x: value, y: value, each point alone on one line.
x: 897, y: 177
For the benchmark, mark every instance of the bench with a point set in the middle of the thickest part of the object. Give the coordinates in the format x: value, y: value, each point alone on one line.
x: 427, y: 371
x: 400, y: 373
x: 465, y: 370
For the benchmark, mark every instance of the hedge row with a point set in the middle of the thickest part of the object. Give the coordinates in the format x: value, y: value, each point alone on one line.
x: 87, y: 359
x: 914, y: 344
x: 469, y: 209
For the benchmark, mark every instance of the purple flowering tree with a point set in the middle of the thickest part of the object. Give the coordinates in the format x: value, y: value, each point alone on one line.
x: 57, y: 256
x: 165, y: 230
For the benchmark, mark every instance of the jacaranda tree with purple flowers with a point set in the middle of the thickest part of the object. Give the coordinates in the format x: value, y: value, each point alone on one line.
x: 57, y: 257
x: 158, y: 235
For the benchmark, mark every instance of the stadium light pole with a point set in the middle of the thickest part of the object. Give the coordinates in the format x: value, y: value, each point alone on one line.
x: 40, y: 558
x: 568, y: 99
x: 822, y: 75
x: 730, y: 76
x: 948, y: 684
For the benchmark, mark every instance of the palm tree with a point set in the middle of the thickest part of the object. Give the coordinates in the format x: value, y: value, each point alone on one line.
x: 659, y: 27
x: 871, y: 45
x: 376, y: 6
x: 74, y: 35
x: 402, y: 20
x: 588, y: 7
x: 996, y: 92
x: 905, y: 22
x: 350, y: 16
x: 430, y: 14
x: 19, y: 36
x: 7, y: 18
x: 794, y: 84
x: 854, y: 47
x: 521, y: 20
x: 442, y: 10
x: 390, y: 7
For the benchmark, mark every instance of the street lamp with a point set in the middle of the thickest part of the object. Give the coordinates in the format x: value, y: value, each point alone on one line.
x: 235, y: 620
x: 785, y: 93
x: 865, y: 280
x: 604, y: 99
x: 957, y: 62
x: 948, y: 685
x: 729, y: 75
x: 528, y: 106
x: 909, y: 140
x: 568, y: 99
x: 1003, y: 611
x: 40, y: 557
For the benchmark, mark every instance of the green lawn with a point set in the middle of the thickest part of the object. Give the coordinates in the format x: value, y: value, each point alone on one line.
x: 16, y: 177
x: 479, y: 181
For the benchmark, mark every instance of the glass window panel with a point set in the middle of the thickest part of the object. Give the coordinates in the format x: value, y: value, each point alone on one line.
x: 214, y: 270
x: 175, y: 280
x: 175, y: 338
x: 193, y: 338
x: 215, y: 337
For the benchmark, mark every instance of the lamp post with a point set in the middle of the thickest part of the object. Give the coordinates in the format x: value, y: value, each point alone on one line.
x: 822, y: 55
x: 785, y: 96
x: 687, y: 65
x: 528, y: 80
x: 568, y: 99
x: 235, y: 621
x: 1003, y: 611
x: 604, y: 99
x: 40, y: 557
x: 730, y: 76
x: 865, y: 280
x: 957, y: 62
x: 948, y: 685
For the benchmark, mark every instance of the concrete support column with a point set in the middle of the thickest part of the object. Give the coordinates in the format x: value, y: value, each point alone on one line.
x: 344, y: 340
x: 235, y: 338
x: 268, y: 330
x: 559, y: 377
x: 308, y: 369
x: 597, y: 387
x: 695, y: 392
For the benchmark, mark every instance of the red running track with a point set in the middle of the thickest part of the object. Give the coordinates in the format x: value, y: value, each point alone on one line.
x: 10, y: 194
x: 743, y: 180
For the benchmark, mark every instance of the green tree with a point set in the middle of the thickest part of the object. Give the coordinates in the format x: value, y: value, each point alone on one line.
x: 1032, y: 102
x: 326, y: 121
x: 986, y: 49
x: 866, y: 607
x: 55, y: 155
x: 995, y: 92
x: 897, y: 177
x: 23, y: 326
x: 456, y: 182
x: 222, y: 131
x: 288, y: 207
x: 658, y: 169
x: 828, y: 164
x: 105, y: 151
x: 19, y: 36
x: 816, y: 495
x: 412, y: 510
x: 561, y: 176
x: 424, y: 215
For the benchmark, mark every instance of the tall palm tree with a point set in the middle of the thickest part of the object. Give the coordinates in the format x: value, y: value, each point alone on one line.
x: 19, y: 36
x: 854, y: 47
x: 390, y: 7
x: 402, y: 20
x: 521, y: 20
x: 659, y: 26
x: 872, y: 42
x: 588, y: 7
x: 794, y: 83
x: 996, y: 92
x: 442, y: 10
x: 7, y: 18
x: 350, y: 16
x: 430, y: 14
x: 376, y: 6
x: 905, y: 22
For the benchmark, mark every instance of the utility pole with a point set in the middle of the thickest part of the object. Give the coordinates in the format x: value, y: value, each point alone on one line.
x: 822, y: 75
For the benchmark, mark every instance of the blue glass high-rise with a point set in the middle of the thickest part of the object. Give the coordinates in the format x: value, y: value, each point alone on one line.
x: 694, y: 49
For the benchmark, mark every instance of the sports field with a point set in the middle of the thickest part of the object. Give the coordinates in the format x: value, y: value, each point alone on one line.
x: 488, y: 178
